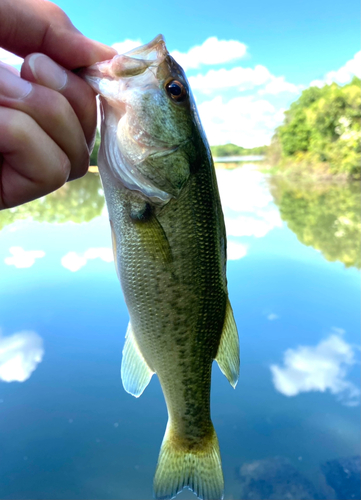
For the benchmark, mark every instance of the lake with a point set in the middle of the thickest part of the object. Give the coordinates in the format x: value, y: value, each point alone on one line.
x: 68, y: 430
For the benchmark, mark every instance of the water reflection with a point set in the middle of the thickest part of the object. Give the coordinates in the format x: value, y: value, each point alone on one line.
x: 21, y: 258
x: 284, y: 294
x: 343, y: 475
x: 20, y: 354
x: 323, y: 215
x: 77, y: 201
x: 247, y: 203
x: 318, y: 368
x: 75, y: 261
x: 274, y: 478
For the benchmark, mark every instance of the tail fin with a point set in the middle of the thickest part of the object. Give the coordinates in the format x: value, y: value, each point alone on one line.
x: 199, y: 469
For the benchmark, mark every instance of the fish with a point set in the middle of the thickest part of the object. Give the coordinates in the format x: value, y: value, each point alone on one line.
x: 169, y: 245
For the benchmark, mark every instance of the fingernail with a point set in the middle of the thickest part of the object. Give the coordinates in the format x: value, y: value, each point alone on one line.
x: 13, y: 86
x: 47, y: 72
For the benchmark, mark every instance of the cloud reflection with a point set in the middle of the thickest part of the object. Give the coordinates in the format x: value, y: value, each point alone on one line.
x: 20, y: 354
x: 75, y: 261
x: 23, y: 258
x: 318, y: 368
x: 247, y: 203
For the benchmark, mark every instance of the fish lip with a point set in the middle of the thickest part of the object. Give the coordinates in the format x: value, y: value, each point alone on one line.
x: 158, y: 44
x: 131, y: 63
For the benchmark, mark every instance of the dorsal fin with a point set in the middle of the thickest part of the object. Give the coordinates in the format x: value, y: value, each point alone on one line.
x: 135, y: 371
x: 228, y: 350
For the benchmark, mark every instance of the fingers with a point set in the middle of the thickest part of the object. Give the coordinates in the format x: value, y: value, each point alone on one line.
x: 53, y: 114
x: 31, y: 164
x: 41, y: 69
x: 41, y: 26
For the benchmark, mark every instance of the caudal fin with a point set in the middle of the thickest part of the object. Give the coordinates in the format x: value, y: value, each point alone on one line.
x: 199, y: 469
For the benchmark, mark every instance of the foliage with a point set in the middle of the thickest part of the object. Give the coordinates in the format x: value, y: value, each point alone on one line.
x: 323, y: 215
x: 323, y: 126
x: 233, y: 150
x: 79, y: 201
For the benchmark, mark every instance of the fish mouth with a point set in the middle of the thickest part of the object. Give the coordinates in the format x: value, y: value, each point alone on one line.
x: 114, y: 80
x: 132, y: 63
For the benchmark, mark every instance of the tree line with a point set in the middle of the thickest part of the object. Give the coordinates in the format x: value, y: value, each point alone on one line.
x: 321, y: 131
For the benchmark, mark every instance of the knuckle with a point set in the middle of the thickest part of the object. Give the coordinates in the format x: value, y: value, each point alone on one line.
x: 62, y: 171
x: 81, y: 167
x: 59, y: 111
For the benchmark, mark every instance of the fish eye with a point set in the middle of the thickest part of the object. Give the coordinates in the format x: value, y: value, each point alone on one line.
x: 176, y: 90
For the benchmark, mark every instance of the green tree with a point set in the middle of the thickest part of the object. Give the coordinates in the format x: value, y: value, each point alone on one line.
x: 323, y: 125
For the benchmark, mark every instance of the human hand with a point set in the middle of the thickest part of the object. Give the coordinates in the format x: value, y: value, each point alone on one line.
x: 48, y: 116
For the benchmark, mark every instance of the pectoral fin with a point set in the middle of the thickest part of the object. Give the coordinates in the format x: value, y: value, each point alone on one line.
x: 152, y: 234
x: 228, y: 350
x: 135, y: 371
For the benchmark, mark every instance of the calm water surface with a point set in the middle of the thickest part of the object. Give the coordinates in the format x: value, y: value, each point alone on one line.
x: 290, y: 430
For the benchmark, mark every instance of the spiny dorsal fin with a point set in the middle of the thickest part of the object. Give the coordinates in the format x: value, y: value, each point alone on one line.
x: 228, y: 350
x: 135, y: 371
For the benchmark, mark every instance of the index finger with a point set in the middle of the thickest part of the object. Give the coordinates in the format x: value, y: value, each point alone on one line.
x: 28, y: 26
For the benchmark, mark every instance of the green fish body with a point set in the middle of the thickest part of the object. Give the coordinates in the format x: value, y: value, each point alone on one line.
x: 169, y: 244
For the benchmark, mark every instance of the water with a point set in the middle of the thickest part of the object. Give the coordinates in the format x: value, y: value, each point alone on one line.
x: 290, y: 429
x: 238, y: 159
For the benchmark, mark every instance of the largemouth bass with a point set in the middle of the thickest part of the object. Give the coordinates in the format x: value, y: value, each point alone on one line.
x: 169, y: 246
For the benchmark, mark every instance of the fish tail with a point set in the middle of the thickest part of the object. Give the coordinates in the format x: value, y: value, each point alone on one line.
x: 199, y: 468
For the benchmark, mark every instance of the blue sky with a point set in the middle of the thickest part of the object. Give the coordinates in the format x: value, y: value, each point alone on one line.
x: 284, y: 46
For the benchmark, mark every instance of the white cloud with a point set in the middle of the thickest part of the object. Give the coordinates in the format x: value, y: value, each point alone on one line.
x: 216, y: 79
x: 278, y: 84
x: 212, y: 51
x: 20, y: 354
x: 318, y: 368
x: 248, y: 206
x: 272, y: 316
x: 9, y: 58
x: 342, y: 75
x: 246, y: 120
x: 236, y: 250
x: 126, y: 45
x: 74, y: 261
x: 23, y: 258
x: 242, y: 79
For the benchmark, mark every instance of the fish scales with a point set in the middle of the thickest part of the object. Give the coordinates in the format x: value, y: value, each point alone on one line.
x: 170, y: 249
x: 182, y: 302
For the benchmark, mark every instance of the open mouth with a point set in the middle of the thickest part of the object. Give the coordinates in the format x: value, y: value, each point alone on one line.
x: 104, y: 77
x: 125, y: 145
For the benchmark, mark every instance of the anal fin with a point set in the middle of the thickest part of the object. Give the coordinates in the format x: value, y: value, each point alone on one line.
x: 135, y: 371
x: 228, y: 350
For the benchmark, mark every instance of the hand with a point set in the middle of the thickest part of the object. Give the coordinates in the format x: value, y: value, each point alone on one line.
x: 48, y: 115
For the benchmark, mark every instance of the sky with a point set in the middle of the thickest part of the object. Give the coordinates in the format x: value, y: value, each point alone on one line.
x: 245, y: 61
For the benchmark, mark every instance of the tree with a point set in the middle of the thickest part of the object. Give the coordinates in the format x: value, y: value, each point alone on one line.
x: 323, y: 125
